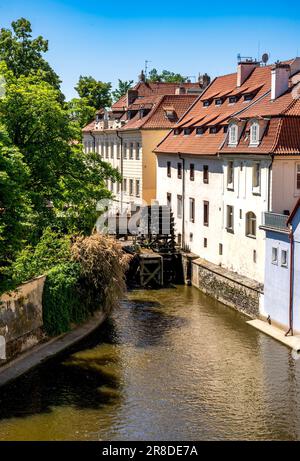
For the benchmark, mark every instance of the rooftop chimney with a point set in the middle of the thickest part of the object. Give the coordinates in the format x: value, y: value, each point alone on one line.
x: 245, y: 68
x: 180, y: 90
x: 131, y: 96
x: 204, y: 80
x: 142, y: 77
x: 280, y: 75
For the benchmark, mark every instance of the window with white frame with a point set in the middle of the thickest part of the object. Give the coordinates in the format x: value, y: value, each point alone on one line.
x: 233, y: 134
x: 229, y: 218
x: 284, y: 258
x: 274, y: 255
x: 130, y: 186
x: 118, y: 151
x: 192, y: 209
x: 254, y: 134
x: 125, y: 185
x: 230, y: 175
x: 250, y: 224
x: 137, y: 187
x: 137, y: 151
x: 106, y: 150
x: 125, y: 151
x: 256, y: 176
x: 179, y: 206
x: 131, y: 151
x: 112, y: 150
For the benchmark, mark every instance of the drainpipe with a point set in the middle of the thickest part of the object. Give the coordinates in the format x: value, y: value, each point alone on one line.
x: 121, y: 154
x: 183, y: 199
x: 291, y: 237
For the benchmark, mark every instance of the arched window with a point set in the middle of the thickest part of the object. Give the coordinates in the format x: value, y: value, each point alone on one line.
x: 254, y: 133
x: 233, y: 133
x: 250, y: 224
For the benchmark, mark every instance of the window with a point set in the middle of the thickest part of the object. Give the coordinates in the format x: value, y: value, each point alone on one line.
x: 125, y: 150
x: 169, y: 169
x: 118, y: 151
x: 192, y: 172
x: 137, y: 151
x: 284, y: 258
x: 218, y: 102
x: 233, y: 133
x: 250, y: 224
x: 206, y: 103
x: 298, y: 176
x: 254, y: 256
x: 191, y: 236
x: 213, y: 129
x: 274, y: 255
x: 230, y: 175
x: 169, y: 199
x: 112, y: 150
x: 125, y: 184
x: 254, y: 133
x: 229, y: 218
x: 179, y: 206
x: 205, y: 174
x: 106, y: 150
x: 232, y: 99
x: 205, y: 213
x: 131, y: 151
x: 220, y: 249
x: 111, y: 186
x: 118, y: 187
x: 176, y: 131
x: 130, y: 186
x: 199, y: 130
x: 192, y: 209
x: 256, y: 175
x: 179, y: 170
x: 137, y: 187
x: 187, y: 131
x: 248, y: 97
x: 205, y: 242
x: 179, y: 239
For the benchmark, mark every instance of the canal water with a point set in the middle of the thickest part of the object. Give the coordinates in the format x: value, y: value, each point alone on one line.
x: 170, y: 364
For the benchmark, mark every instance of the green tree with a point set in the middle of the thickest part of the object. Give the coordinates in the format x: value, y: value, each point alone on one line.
x: 165, y: 77
x: 123, y: 87
x: 64, y: 184
x: 23, y: 55
x: 96, y: 93
x: 15, y: 206
x: 81, y: 113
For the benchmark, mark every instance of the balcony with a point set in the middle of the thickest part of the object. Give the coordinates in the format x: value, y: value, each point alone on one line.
x: 274, y: 221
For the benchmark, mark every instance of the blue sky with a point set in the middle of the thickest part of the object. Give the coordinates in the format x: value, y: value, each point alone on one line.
x: 111, y: 40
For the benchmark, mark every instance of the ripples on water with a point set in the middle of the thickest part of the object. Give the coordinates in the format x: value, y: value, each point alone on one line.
x: 171, y: 364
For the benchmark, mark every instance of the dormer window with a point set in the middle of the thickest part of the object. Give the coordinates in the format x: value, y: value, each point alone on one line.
x: 206, y: 103
x: 232, y: 99
x: 218, y: 102
x: 248, y: 97
x: 233, y: 134
x: 176, y: 131
x: 187, y: 131
x: 254, y: 134
x: 213, y: 129
x: 199, y: 130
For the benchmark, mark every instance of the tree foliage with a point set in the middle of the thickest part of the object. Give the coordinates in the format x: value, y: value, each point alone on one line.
x: 165, y: 77
x: 94, y: 92
x: 23, y: 54
x: 122, y: 88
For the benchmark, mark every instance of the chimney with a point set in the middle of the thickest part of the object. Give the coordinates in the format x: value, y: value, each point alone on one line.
x: 131, y: 96
x: 142, y: 77
x: 180, y: 90
x: 280, y: 75
x: 204, y: 80
x: 245, y: 68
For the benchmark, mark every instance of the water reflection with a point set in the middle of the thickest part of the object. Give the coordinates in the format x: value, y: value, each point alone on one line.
x: 172, y: 364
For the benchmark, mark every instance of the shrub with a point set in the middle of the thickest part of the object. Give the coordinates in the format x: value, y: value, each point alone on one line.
x: 61, y: 300
x: 103, y: 267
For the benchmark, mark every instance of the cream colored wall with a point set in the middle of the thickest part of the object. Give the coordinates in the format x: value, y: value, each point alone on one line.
x: 284, y: 190
x: 150, y: 139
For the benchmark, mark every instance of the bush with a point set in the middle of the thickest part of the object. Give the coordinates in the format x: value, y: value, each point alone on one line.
x: 103, y: 267
x: 61, y: 300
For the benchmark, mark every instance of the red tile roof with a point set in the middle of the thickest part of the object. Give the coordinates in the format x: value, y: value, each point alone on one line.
x: 282, y: 134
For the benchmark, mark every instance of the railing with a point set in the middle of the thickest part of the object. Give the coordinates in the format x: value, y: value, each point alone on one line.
x: 274, y: 220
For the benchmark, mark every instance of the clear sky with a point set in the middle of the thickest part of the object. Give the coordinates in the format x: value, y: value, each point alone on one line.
x: 112, y: 39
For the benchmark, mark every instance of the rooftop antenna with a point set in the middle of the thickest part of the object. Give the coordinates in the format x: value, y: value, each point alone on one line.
x: 258, y: 50
x: 265, y: 58
x: 189, y: 77
x: 146, y: 68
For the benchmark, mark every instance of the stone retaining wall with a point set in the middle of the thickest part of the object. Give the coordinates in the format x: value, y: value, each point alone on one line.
x: 227, y: 287
x: 21, y: 319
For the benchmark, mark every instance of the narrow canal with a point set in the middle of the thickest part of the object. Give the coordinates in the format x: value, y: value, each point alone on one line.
x: 170, y: 364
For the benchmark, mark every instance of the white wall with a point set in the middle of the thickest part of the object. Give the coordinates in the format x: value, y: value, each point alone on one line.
x: 284, y: 185
x: 237, y: 247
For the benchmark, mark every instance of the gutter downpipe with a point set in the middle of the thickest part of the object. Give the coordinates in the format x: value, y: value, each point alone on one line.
x: 269, y: 183
x: 291, y: 237
x: 121, y: 157
x: 183, y: 200
x: 94, y: 141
